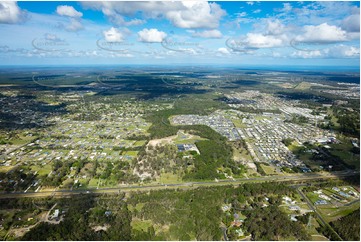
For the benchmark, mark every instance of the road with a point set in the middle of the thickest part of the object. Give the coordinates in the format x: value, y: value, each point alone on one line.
x: 189, y: 185
x: 324, y: 223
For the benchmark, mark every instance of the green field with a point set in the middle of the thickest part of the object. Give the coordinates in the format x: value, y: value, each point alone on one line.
x: 238, y: 123
x: 331, y: 213
x: 139, y: 143
x: 142, y: 225
x: 169, y: 178
x: 270, y: 170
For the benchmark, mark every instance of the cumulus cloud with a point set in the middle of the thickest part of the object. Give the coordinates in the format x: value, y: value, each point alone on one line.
x: 187, y: 14
x: 351, y: 23
x: 214, y: 33
x: 275, y: 27
x: 257, y: 40
x: 337, y: 51
x: 10, y: 13
x: 196, y: 15
x: 223, y: 51
x: 74, y: 26
x: 74, y: 18
x: 341, y: 51
x: 287, y: 7
x: 151, y: 35
x: 113, y: 35
x: 69, y: 11
x: 322, y: 33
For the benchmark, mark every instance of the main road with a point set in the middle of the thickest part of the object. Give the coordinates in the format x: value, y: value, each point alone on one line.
x: 189, y: 185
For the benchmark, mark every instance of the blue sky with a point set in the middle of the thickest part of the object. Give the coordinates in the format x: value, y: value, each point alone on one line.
x: 175, y: 32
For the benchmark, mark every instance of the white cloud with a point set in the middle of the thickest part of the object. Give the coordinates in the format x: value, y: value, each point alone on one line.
x: 275, y: 27
x: 186, y: 14
x: 10, y: 13
x: 151, y: 35
x: 113, y: 35
x: 214, y: 33
x: 342, y: 51
x: 196, y: 15
x: 223, y: 51
x: 250, y: 3
x: 74, y: 18
x: 287, y: 7
x: 242, y: 14
x: 118, y: 19
x: 337, y: 51
x: 69, y: 11
x: 322, y: 33
x: 256, y: 40
x: 74, y: 25
x: 307, y: 54
x: 257, y: 11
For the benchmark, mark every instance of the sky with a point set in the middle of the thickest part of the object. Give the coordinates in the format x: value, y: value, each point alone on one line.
x: 180, y: 32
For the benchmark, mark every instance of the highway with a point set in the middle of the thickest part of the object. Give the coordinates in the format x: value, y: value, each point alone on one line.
x: 187, y: 185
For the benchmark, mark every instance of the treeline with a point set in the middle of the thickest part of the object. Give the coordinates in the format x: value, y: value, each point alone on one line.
x: 193, y: 214
x: 349, y: 122
x: 348, y: 227
x: 80, y: 215
x: 214, y: 152
x: 202, y: 105
x: 196, y: 214
x: 270, y: 223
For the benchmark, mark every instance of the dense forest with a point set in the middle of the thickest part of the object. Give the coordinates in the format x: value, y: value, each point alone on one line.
x: 193, y: 214
x: 348, y: 227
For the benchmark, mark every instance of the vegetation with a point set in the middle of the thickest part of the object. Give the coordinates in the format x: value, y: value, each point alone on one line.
x: 348, y: 227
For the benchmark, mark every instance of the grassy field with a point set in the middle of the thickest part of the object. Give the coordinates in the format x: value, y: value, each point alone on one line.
x: 241, y: 155
x: 312, y: 196
x: 130, y: 153
x: 141, y: 224
x: 93, y: 182
x: 238, y: 123
x: 139, y: 143
x: 5, y: 168
x: 317, y: 237
x: 42, y: 171
x: 303, y: 86
x: 169, y: 178
x: 333, y: 213
x: 343, y: 151
x: 270, y: 170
